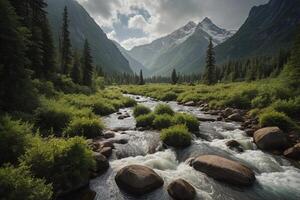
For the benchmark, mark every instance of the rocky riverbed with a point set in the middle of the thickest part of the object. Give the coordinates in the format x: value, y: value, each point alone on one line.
x: 224, y: 141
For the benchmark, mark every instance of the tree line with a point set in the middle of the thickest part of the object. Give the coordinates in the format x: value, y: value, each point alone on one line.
x: 28, y: 52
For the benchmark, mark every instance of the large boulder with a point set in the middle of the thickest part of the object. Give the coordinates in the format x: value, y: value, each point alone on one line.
x: 270, y: 138
x: 106, y: 151
x: 224, y: 170
x: 138, y: 180
x: 181, y: 190
x: 293, y: 152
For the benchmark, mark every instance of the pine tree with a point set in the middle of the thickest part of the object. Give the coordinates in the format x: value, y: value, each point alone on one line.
x: 16, y: 90
x: 174, y: 77
x: 87, y: 65
x: 291, y: 72
x: 49, y: 64
x: 141, y: 78
x: 76, y: 69
x: 66, y: 52
x: 210, y: 70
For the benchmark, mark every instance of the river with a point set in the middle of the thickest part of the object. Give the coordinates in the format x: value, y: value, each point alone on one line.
x: 276, y: 177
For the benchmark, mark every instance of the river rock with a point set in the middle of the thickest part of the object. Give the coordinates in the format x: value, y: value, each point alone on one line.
x: 234, y: 145
x: 102, y: 164
x: 106, y: 151
x: 270, y: 138
x: 181, y: 190
x: 206, y: 118
x: 108, y: 135
x: 190, y: 103
x: 107, y: 144
x: 227, y: 112
x: 224, y: 170
x: 138, y: 180
x: 293, y: 152
x: 236, y: 117
x: 249, y: 132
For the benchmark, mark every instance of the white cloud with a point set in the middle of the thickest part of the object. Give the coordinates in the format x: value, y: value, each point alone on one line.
x: 112, y: 36
x: 137, y: 22
x: 167, y: 15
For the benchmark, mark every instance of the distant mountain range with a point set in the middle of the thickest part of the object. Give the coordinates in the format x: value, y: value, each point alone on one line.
x: 83, y: 26
x: 180, y: 48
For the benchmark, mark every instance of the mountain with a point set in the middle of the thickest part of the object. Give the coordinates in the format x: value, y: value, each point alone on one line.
x: 148, y: 52
x: 82, y: 26
x: 180, y: 49
x: 135, y: 65
x: 268, y: 28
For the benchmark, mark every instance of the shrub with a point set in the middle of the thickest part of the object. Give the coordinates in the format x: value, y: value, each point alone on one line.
x: 169, y: 96
x: 140, y: 110
x: 261, y: 101
x: 161, y: 109
x: 63, y: 162
x: 45, y: 87
x: 190, y: 121
x: 18, y: 184
x: 289, y: 107
x: 87, y: 127
x: 238, y: 101
x: 15, y: 137
x: 128, y: 102
x: 162, y: 121
x: 176, y: 136
x: 145, y: 120
x: 102, y: 108
x: 274, y: 118
x: 53, y: 117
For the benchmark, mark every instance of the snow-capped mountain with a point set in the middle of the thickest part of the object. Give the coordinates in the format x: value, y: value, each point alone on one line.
x: 218, y: 34
x: 145, y: 54
x: 176, y: 49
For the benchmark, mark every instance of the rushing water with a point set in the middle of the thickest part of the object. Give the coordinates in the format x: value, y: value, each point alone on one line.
x: 277, y: 178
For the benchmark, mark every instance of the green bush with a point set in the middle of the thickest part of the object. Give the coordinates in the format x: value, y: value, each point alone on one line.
x: 190, y: 121
x: 18, y: 184
x: 86, y: 127
x: 15, y: 138
x: 289, y: 107
x: 53, y: 117
x: 140, y: 110
x: 176, y: 136
x: 169, y: 96
x: 162, y: 121
x: 274, y: 118
x: 145, y: 120
x: 161, y: 109
x: 261, y: 101
x: 128, y: 102
x: 238, y: 101
x: 45, y: 87
x: 63, y: 162
x: 102, y: 108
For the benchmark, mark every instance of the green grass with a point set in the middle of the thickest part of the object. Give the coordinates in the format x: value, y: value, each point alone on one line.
x: 162, y: 109
x: 274, y: 118
x: 162, y: 121
x: 145, y: 120
x: 140, y: 110
x: 190, y: 121
x: 176, y: 136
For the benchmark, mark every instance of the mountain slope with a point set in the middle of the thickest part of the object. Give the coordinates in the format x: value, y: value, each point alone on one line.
x: 135, y: 65
x: 181, y: 55
x: 82, y: 26
x: 268, y: 28
x: 147, y: 53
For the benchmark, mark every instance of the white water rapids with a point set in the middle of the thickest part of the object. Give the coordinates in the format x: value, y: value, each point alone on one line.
x: 276, y: 177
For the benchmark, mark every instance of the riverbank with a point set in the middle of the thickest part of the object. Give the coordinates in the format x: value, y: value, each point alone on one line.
x: 143, y: 147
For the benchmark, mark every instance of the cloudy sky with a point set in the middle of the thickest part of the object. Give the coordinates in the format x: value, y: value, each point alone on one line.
x: 136, y: 22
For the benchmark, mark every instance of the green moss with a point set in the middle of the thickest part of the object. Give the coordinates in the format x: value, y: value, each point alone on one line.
x: 169, y: 96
